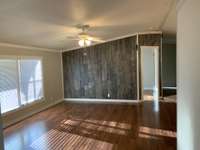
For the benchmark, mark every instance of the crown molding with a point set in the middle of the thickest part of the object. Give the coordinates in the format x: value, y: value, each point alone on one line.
x: 116, y: 38
x: 29, y: 47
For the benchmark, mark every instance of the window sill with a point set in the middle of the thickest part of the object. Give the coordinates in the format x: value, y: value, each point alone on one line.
x: 23, y: 107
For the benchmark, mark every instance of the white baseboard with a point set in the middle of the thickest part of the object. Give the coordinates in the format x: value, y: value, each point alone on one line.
x: 30, y: 114
x: 169, y: 87
x: 101, y: 100
x: 148, y: 88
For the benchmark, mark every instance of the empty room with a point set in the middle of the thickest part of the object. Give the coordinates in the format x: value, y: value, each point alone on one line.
x: 99, y: 75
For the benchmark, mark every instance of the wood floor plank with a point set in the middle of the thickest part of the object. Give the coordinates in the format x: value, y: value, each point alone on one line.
x: 75, y: 126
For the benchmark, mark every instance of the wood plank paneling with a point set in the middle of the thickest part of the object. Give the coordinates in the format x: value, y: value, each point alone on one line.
x: 102, y: 71
x: 150, y: 39
x: 106, y: 70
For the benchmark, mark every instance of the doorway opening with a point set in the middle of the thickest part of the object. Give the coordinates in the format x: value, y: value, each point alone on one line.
x: 150, y: 72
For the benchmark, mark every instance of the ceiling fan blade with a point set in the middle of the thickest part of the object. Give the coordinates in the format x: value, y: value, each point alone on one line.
x: 72, y: 38
x: 96, y: 39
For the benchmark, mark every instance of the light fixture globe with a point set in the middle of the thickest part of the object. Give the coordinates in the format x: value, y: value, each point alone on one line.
x: 88, y: 42
x: 84, y: 42
x: 81, y: 43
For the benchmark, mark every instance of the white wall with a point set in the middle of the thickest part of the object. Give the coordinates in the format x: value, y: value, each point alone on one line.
x: 188, y: 74
x: 148, y: 67
x: 53, y: 90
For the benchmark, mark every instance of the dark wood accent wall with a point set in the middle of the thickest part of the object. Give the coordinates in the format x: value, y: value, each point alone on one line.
x: 102, y: 71
x: 107, y: 70
x: 152, y: 40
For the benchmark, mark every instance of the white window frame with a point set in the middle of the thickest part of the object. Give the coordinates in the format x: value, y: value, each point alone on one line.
x: 18, y: 58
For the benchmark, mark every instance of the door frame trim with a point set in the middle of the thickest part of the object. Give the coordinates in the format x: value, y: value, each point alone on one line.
x: 141, y: 72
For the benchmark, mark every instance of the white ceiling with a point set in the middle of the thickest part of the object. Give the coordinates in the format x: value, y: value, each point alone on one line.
x: 47, y: 23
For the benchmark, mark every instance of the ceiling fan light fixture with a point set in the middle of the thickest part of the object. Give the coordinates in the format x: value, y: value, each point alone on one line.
x: 81, y: 43
x: 84, y: 42
x: 88, y: 42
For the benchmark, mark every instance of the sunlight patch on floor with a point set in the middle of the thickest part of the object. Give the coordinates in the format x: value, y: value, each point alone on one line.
x: 57, y: 140
x: 147, y: 132
x: 96, y: 125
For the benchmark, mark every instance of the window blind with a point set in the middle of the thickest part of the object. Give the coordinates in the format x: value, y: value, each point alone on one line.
x: 21, y: 82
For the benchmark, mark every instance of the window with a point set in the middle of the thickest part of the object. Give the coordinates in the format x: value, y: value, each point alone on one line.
x: 8, y: 85
x: 21, y: 82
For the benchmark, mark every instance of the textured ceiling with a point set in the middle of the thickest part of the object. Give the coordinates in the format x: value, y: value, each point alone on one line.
x: 47, y: 23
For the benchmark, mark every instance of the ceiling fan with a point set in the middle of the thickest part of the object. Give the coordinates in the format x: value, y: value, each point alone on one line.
x: 83, y: 38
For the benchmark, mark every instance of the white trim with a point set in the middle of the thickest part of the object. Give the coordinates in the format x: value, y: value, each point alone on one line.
x: 156, y: 57
x: 149, y: 46
x: 20, y: 57
x: 116, y: 38
x: 170, y: 87
x: 101, y: 100
x: 114, y: 101
x: 43, y: 78
x: 148, y: 88
x: 138, y: 67
x: 18, y: 82
x: 169, y: 100
x: 29, y: 47
x: 62, y: 76
x: 161, y: 67
x: 149, y: 32
x: 30, y: 113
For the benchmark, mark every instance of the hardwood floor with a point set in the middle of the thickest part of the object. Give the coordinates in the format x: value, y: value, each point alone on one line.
x: 70, y: 126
